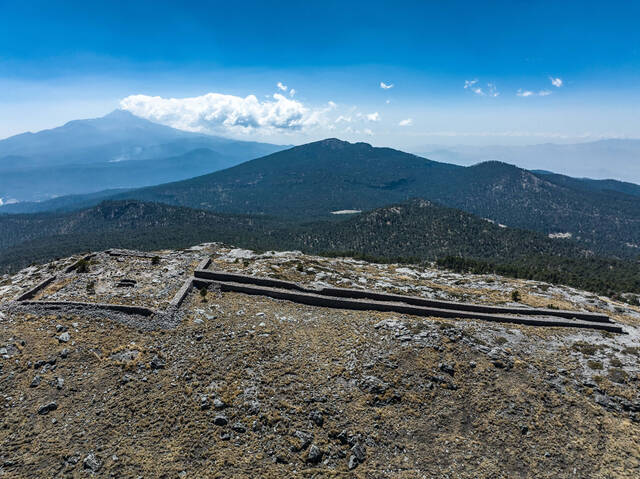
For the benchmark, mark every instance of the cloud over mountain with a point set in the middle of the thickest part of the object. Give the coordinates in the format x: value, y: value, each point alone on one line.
x: 217, y: 112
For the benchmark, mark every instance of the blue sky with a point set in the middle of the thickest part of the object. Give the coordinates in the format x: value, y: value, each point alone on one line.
x: 533, y: 71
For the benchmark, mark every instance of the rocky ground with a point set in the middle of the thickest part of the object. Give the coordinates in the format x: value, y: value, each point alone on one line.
x: 249, y: 386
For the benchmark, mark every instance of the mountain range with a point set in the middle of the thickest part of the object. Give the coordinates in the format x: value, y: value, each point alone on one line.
x: 118, y: 150
x: 137, y: 184
x: 310, y: 181
x: 313, y: 180
x: 602, y: 159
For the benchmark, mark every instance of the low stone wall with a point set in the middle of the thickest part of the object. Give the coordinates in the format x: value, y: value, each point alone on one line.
x: 313, y: 299
x: 340, y: 298
x: 246, y: 279
x: 122, y: 308
x: 36, y: 289
x: 128, y: 253
x: 387, y: 297
x: 182, y: 293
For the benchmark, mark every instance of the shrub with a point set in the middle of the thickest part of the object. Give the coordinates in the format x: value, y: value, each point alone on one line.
x: 83, y: 266
x: 595, y: 365
x: 515, y: 295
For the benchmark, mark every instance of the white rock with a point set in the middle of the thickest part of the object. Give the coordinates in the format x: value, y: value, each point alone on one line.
x: 407, y: 271
x: 240, y: 253
x: 390, y: 323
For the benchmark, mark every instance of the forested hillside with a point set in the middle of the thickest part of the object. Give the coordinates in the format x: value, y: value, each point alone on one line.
x: 308, y: 182
x: 312, y: 180
x: 410, y: 232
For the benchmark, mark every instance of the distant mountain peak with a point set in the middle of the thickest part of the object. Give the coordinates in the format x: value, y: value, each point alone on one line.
x: 332, y: 143
x: 119, y: 114
x: 116, y: 119
x: 495, y: 164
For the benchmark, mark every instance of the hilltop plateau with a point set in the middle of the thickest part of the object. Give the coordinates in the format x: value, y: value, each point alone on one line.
x: 240, y: 385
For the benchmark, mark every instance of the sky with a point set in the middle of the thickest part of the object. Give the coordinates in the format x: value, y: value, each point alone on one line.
x: 401, y: 74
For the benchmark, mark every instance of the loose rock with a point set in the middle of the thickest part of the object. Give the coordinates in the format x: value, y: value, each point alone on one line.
x: 315, y: 454
x: 157, y: 363
x: 92, y: 463
x: 220, y: 421
x: 45, y: 409
x: 317, y: 418
x: 239, y: 427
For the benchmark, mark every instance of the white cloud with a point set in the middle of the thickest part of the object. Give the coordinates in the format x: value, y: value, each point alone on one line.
x: 468, y: 84
x: 281, y: 86
x: 556, y: 82
x: 407, y: 122
x: 373, y: 116
x: 345, y: 119
x: 292, y: 92
x: 386, y: 86
x: 216, y: 112
x: 367, y: 131
x: 526, y: 93
x: 473, y: 86
x: 388, y: 101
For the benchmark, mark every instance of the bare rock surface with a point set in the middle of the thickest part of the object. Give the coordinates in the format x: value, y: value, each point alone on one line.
x: 248, y: 386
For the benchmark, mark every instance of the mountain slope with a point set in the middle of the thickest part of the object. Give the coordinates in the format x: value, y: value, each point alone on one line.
x: 132, y: 219
x: 55, y: 156
x: 611, y: 158
x: 589, y: 184
x: 86, y: 178
x: 314, y: 179
x: 414, y: 231
x: 117, y: 136
x: 424, y: 230
x: 310, y: 181
x: 418, y: 229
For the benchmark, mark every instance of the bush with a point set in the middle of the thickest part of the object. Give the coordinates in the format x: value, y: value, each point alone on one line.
x: 203, y: 294
x: 83, y: 266
x: 155, y: 260
x: 595, y: 365
x: 515, y: 295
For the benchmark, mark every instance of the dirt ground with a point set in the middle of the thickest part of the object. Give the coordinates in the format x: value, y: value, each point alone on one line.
x: 249, y: 386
